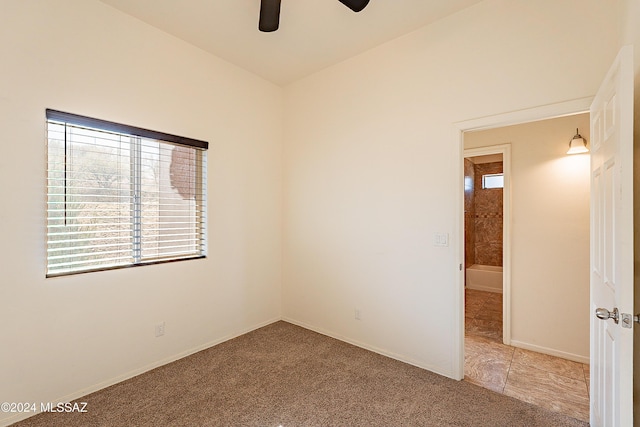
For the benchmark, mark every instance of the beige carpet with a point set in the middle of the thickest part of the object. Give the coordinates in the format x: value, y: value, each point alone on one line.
x: 284, y: 375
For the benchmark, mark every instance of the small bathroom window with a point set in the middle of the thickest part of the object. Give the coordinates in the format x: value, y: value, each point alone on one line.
x: 494, y: 180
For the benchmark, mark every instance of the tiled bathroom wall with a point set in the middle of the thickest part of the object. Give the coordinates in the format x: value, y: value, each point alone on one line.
x: 488, y: 217
x: 469, y: 214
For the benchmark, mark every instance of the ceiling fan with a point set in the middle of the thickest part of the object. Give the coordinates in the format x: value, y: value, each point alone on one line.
x: 270, y: 12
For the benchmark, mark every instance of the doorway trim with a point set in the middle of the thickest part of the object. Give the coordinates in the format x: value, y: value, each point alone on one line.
x: 543, y: 112
x: 505, y: 150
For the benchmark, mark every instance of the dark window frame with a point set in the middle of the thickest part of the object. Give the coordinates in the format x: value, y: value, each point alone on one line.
x: 133, y: 131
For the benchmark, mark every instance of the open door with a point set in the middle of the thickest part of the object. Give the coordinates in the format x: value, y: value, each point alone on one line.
x: 612, y: 246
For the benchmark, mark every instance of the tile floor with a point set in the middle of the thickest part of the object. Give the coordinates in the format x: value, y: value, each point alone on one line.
x: 556, y: 384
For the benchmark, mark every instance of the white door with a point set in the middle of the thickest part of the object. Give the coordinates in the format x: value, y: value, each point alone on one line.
x: 612, y: 246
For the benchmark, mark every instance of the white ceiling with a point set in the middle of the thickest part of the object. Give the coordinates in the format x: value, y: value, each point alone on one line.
x: 313, y: 34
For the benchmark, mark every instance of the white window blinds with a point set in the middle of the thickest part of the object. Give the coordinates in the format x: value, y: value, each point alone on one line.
x: 120, y: 196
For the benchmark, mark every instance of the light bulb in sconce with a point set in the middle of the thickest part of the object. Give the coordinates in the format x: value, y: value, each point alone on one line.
x: 578, y: 144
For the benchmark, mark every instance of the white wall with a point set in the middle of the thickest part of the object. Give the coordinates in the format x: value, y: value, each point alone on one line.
x: 371, y: 164
x: 65, y: 336
x: 550, y: 234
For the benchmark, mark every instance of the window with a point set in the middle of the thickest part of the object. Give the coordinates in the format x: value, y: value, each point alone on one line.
x: 495, y: 180
x: 119, y: 196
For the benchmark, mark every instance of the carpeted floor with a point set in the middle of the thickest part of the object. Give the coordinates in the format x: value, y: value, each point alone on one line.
x: 284, y: 375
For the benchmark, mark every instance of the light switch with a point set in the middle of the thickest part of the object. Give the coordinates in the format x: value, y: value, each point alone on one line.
x: 440, y: 239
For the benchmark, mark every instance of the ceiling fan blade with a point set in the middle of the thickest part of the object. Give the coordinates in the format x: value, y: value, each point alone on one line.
x: 269, y: 15
x: 355, y: 5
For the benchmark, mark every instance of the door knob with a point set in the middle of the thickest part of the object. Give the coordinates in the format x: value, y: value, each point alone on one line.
x: 604, y: 314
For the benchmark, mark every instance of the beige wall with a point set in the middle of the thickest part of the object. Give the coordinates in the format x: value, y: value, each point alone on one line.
x: 550, y: 234
x: 372, y: 167
x: 65, y: 336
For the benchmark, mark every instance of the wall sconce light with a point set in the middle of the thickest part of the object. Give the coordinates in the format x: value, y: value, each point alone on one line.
x: 578, y: 144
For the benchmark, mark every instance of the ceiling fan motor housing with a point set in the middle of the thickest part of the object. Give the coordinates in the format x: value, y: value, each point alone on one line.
x: 355, y: 5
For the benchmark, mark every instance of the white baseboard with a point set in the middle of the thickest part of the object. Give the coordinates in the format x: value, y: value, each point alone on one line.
x: 374, y: 349
x: 104, y: 384
x: 550, y: 351
x: 96, y: 387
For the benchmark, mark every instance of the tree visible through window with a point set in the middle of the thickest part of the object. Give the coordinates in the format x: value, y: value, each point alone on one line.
x: 120, y: 196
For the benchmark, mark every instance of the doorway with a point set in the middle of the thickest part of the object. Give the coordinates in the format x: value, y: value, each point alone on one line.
x: 491, y: 122
x: 551, y: 212
x: 487, y: 236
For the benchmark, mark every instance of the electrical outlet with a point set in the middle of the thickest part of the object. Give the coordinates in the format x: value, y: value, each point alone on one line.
x: 160, y: 329
x: 357, y: 314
